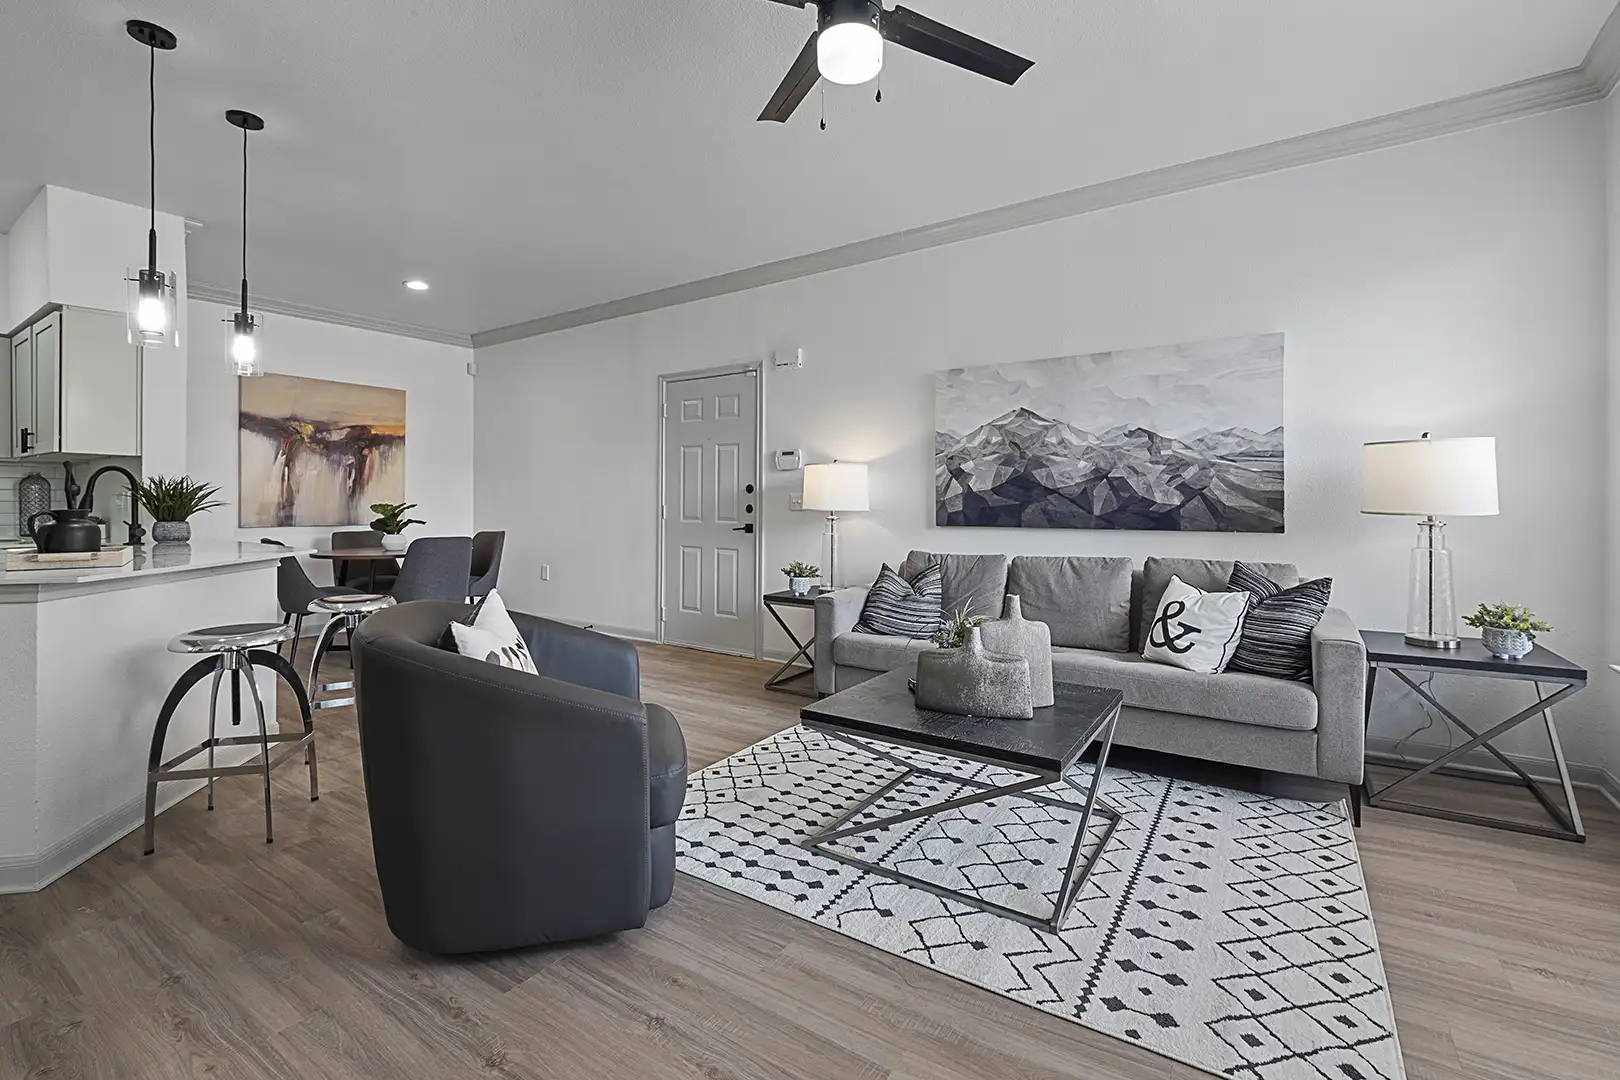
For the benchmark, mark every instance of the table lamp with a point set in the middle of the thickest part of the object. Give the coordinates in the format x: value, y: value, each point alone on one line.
x: 837, y: 487
x: 1429, y: 479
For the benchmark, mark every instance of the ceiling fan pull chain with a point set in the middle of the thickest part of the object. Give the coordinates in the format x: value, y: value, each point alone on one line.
x: 823, y: 104
x: 880, y: 88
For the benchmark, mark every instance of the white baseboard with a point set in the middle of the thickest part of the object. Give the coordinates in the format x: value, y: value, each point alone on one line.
x: 20, y: 875
x: 1382, y: 750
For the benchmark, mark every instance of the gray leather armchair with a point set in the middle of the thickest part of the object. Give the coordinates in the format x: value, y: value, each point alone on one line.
x: 509, y: 809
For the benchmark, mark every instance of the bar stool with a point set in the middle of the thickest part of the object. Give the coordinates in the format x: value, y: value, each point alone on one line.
x: 347, y: 612
x: 236, y: 649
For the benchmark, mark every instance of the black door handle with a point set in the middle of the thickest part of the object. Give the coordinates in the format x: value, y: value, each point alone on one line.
x: 748, y: 528
x: 25, y: 439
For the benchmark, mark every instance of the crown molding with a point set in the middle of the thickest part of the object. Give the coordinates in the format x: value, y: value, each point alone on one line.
x: 1546, y: 93
x: 1602, y: 63
x: 197, y: 290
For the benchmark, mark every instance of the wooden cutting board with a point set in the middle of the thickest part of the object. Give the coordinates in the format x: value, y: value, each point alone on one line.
x: 107, y: 558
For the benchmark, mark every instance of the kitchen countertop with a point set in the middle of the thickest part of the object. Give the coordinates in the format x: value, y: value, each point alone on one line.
x: 154, y: 562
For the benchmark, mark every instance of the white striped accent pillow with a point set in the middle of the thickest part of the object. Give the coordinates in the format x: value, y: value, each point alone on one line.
x: 1276, y: 637
x: 901, y: 608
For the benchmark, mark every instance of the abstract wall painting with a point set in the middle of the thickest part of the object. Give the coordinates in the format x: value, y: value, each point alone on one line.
x: 318, y: 453
x: 1180, y: 437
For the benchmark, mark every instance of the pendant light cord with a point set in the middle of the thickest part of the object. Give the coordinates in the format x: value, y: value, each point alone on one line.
x: 244, y: 218
x: 151, y: 150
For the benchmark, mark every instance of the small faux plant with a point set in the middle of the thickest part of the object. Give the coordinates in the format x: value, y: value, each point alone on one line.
x: 175, y: 498
x: 1507, y: 617
x: 797, y: 569
x: 391, y: 519
x: 953, y: 633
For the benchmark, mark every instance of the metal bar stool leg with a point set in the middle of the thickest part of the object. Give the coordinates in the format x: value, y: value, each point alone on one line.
x: 264, y: 742
x: 213, y: 734
x: 289, y: 674
x: 322, y: 645
x: 194, y: 675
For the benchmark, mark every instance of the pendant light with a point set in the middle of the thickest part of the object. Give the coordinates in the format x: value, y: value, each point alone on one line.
x: 153, y: 320
x: 244, y: 336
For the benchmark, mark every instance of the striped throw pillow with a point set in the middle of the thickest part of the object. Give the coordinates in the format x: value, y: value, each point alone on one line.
x: 1276, y: 637
x: 904, y: 608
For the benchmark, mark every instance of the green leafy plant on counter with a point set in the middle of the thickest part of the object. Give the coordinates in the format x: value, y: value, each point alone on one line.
x: 953, y: 633
x: 391, y: 519
x: 1507, y: 617
x: 801, y: 570
x: 175, y: 498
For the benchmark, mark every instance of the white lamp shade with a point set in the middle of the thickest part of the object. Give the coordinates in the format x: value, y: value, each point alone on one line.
x: 836, y: 487
x: 1420, y: 477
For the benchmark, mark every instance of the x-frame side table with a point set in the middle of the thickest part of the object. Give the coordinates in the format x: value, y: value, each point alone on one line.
x: 783, y: 677
x: 1543, y: 668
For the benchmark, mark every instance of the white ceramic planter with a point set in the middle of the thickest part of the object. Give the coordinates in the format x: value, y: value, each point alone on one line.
x: 803, y: 586
x: 1507, y: 644
x: 395, y: 542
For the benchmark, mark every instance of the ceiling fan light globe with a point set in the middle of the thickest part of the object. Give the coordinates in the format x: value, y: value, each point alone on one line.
x: 849, y: 53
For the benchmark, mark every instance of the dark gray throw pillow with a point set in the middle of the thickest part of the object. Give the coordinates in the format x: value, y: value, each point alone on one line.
x: 1276, y: 637
x: 902, y: 608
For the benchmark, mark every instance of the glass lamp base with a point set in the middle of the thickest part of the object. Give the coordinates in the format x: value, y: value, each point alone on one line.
x: 1431, y: 620
x: 1433, y: 641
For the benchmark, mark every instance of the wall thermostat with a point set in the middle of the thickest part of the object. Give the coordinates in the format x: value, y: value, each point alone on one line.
x: 789, y: 460
x: 788, y: 358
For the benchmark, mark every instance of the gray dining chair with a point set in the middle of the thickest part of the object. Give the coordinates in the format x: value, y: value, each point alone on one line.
x: 486, y: 563
x: 436, y: 568
x: 386, y: 571
x: 294, y: 594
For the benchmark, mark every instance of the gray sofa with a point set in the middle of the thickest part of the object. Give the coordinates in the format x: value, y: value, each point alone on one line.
x: 1097, y: 608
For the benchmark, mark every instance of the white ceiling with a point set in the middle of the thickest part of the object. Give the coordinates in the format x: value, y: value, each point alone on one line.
x: 534, y: 156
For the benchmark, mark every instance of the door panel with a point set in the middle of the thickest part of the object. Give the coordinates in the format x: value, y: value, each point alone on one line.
x: 22, y: 391
x: 48, y: 382
x: 710, y: 498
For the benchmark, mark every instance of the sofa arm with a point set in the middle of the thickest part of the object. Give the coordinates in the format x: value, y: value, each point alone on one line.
x: 1339, y: 672
x: 581, y: 657
x: 836, y: 614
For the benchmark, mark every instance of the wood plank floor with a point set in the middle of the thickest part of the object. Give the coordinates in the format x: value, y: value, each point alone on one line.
x: 223, y: 957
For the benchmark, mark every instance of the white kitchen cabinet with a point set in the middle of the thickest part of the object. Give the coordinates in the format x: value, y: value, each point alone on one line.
x: 75, y: 387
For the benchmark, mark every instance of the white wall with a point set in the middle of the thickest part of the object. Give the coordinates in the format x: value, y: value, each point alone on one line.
x: 438, y: 415
x: 1605, y: 678
x: 28, y: 264
x: 1455, y: 285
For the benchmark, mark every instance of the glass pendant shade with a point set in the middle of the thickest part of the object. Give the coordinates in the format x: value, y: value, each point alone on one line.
x: 153, y: 319
x: 244, y: 343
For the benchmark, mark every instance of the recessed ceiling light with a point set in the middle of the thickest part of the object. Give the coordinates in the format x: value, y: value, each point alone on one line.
x: 417, y: 285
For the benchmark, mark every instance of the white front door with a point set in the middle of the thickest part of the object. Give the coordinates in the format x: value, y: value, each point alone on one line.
x: 710, y: 504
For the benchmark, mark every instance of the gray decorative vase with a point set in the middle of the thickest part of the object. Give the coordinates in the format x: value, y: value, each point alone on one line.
x: 1014, y: 635
x: 1506, y: 644
x: 171, y: 532
x: 972, y: 681
x: 33, y: 496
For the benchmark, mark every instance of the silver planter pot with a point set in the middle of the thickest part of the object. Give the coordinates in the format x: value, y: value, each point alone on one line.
x: 1014, y: 635
x: 972, y: 681
x: 171, y: 532
x: 1506, y: 644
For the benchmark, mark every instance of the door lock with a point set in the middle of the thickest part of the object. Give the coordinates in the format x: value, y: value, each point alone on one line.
x: 748, y: 528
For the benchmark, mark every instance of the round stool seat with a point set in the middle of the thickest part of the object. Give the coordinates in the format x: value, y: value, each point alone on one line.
x: 351, y: 603
x: 235, y: 637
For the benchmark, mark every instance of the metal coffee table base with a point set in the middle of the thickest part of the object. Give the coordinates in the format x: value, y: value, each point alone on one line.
x: 1076, y: 872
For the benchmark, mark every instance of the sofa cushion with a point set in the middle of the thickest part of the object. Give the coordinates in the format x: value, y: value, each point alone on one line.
x: 876, y: 652
x: 666, y: 766
x: 1085, y: 599
x: 1277, y: 633
x: 1239, y: 697
x: 975, y: 583
x: 1194, y: 629
x: 1210, y: 575
x: 907, y: 607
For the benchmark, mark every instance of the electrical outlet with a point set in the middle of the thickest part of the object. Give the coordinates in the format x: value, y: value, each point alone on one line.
x: 545, y: 571
x: 796, y: 502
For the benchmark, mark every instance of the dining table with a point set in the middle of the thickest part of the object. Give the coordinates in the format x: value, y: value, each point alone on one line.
x: 371, y: 556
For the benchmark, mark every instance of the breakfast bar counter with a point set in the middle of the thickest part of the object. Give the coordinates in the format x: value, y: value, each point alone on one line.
x: 84, y: 669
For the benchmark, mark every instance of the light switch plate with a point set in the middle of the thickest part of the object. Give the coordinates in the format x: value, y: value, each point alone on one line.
x: 796, y: 501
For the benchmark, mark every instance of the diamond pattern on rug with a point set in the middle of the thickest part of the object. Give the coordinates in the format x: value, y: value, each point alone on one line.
x: 1226, y: 930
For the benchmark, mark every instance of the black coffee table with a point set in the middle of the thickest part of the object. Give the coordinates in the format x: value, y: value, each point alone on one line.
x: 1044, y: 749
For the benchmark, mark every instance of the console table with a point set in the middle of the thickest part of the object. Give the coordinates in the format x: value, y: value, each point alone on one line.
x: 1541, y: 668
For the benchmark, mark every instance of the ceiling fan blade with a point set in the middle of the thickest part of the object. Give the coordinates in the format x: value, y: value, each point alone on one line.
x: 793, y: 3
x: 921, y: 34
x: 801, y: 79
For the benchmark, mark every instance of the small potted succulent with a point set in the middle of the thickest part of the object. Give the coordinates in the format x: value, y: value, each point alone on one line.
x: 1507, y: 632
x: 802, y: 577
x: 953, y: 632
x: 392, y: 523
x: 171, y: 501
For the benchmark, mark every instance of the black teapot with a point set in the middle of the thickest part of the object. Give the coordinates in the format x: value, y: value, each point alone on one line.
x: 62, y: 531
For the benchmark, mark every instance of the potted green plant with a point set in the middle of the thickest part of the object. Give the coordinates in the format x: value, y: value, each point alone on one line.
x: 392, y: 523
x: 954, y: 631
x: 802, y: 577
x: 1507, y: 632
x: 171, y: 501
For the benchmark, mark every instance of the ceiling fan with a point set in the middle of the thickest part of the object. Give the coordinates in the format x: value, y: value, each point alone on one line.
x: 847, y: 48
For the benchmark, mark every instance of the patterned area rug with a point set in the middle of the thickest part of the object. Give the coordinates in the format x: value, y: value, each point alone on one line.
x: 1226, y: 930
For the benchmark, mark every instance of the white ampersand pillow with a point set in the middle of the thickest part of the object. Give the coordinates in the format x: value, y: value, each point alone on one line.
x: 1194, y: 629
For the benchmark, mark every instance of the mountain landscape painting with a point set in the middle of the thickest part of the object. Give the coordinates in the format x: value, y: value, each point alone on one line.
x: 1182, y: 438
